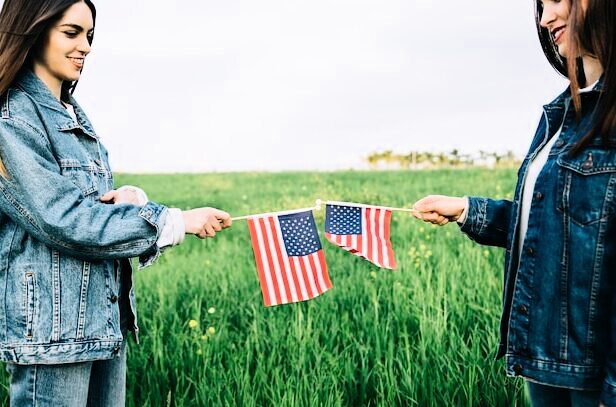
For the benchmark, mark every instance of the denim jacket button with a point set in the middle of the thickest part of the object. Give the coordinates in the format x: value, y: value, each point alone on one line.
x: 517, y: 368
x: 586, y: 165
x: 530, y: 251
x: 523, y: 309
x: 116, y: 350
x: 114, y: 299
x: 538, y: 196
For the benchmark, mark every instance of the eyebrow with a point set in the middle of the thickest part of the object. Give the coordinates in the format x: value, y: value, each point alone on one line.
x: 76, y: 27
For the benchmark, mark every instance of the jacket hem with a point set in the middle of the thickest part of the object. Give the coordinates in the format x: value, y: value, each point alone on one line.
x: 59, y: 353
x: 571, y: 376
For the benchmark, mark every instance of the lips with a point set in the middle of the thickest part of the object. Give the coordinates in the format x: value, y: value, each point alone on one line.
x: 78, y: 62
x: 557, y: 33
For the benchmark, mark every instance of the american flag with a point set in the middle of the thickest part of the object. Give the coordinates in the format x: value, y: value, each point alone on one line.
x: 362, y: 230
x: 289, y: 257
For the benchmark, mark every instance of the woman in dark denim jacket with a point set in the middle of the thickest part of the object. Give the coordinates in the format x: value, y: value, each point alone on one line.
x: 558, y: 326
x: 65, y: 233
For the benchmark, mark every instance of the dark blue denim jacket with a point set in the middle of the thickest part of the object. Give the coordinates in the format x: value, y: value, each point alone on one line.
x: 60, y: 247
x: 558, y: 325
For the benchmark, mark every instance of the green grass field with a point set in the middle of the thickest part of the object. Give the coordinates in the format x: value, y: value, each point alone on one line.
x: 422, y: 335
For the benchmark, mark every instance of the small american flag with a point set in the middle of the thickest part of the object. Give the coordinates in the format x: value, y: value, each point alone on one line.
x: 289, y: 257
x: 362, y: 230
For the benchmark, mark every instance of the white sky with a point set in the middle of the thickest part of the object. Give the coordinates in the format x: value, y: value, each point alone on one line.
x: 314, y: 84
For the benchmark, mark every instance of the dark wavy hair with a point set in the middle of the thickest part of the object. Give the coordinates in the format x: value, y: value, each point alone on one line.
x: 594, y: 32
x: 24, y: 25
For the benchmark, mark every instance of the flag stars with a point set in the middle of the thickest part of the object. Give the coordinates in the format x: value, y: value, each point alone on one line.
x: 299, y: 234
x: 343, y: 220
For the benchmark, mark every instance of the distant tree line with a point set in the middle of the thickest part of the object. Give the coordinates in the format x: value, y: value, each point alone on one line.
x: 429, y: 159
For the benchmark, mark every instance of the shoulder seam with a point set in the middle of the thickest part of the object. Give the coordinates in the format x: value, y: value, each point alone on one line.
x: 20, y: 122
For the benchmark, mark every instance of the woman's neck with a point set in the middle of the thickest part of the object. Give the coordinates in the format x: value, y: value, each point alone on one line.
x: 592, y: 69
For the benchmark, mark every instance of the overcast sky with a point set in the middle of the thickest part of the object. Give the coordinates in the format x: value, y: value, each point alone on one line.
x: 202, y: 85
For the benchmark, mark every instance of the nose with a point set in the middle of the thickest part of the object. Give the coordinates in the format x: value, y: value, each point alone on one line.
x: 84, y: 46
x: 548, y: 15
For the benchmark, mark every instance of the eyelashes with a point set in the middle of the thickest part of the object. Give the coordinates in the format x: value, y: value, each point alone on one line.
x: 74, y: 34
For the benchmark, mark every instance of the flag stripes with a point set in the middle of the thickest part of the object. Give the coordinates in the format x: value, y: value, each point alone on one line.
x: 285, y: 279
x: 373, y: 242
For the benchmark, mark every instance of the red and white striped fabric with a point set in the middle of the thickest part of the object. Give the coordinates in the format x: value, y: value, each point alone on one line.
x: 289, y: 257
x: 362, y: 230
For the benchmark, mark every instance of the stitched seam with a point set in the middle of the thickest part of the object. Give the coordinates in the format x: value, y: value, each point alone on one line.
x: 55, y: 336
x: 85, y: 280
x: 38, y: 132
x: 564, y: 336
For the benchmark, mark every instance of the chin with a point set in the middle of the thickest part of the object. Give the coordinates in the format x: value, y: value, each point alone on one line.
x: 71, y: 78
x: 562, y: 51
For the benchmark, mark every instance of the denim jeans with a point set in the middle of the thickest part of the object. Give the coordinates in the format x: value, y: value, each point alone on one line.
x: 98, y: 383
x: 543, y: 395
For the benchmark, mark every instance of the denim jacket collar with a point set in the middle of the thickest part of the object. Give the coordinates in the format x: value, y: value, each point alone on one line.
x: 35, y: 87
x: 565, y: 97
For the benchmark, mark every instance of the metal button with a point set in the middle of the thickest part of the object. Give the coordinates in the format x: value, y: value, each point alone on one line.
x: 538, y: 196
x: 523, y: 310
x: 530, y: 251
x: 114, y: 298
x: 116, y: 350
x: 518, y: 368
x: 586, y: 165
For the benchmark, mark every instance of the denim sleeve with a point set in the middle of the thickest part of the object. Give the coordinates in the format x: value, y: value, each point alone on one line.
x: 52, y: 209
x: 487, y: 221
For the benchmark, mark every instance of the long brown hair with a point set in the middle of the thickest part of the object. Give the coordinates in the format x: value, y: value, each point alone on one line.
x: 592, y: 31
x: 23, y: 27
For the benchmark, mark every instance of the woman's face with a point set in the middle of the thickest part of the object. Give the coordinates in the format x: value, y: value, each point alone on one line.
x: 66, y: 46
x: 555, y: 17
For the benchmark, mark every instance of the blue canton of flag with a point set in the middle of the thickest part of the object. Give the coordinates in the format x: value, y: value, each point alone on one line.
x: 299, y: 233
x: 342, y: 220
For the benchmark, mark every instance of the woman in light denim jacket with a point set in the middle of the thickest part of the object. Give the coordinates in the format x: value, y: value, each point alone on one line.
x: 65, y: 234
x: 558, y: 327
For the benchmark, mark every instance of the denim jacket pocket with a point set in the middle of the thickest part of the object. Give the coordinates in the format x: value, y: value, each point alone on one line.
x: 587, y: 184
x: 83, y: 176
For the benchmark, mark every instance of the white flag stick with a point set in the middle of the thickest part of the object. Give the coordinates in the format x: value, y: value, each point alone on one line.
x: 373, y: 206
x: 259, y: 215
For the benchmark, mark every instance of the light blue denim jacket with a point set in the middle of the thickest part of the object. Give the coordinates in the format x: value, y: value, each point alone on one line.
x: 558, y: 325
x: 60, y: 247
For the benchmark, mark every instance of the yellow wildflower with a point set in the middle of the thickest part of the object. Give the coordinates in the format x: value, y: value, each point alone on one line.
x: 211, y: 330
x: 192, y: 324
x: 211, y: 310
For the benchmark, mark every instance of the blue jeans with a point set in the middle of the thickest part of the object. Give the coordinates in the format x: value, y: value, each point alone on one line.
x: 98, y: 383
x: 543, y: 395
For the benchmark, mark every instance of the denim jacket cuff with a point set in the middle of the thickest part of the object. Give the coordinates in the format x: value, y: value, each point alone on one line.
x: 475, y: 216
x: 155, y: 214
x: 608, y: 395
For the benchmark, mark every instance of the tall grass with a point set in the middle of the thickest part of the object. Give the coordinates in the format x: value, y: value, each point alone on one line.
x: 423, y: 335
